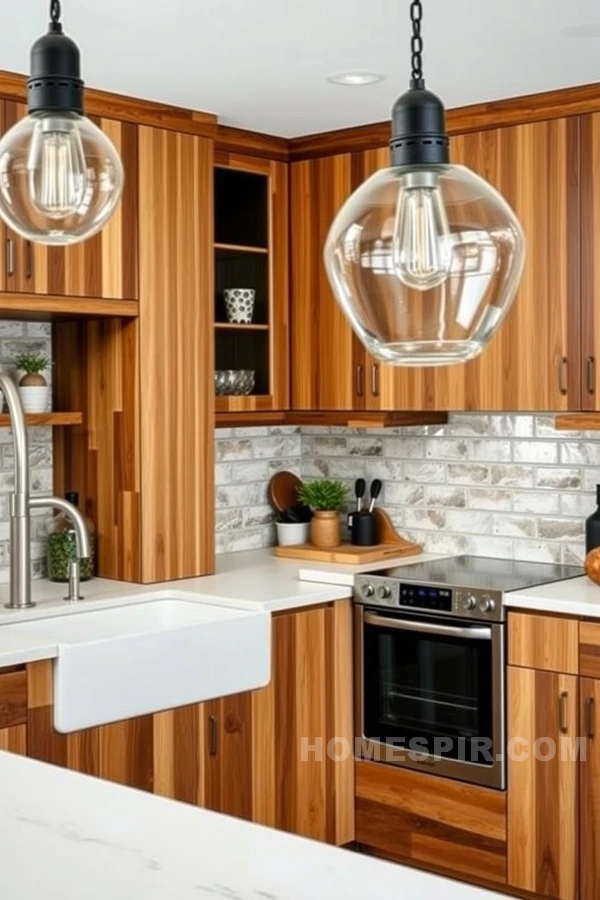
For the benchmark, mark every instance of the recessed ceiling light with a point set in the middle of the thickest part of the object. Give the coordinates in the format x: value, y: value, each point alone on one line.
x: 583, y: 30
x: 355, y: 79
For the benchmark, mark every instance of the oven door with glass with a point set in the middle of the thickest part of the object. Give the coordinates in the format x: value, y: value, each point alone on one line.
x: 430, y: 694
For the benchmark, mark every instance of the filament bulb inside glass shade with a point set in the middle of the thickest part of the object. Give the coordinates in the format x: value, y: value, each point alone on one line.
x: 422, y: 243
x: 56, y: 167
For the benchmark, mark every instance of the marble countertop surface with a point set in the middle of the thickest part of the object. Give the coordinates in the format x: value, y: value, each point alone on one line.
x: 66, y: 836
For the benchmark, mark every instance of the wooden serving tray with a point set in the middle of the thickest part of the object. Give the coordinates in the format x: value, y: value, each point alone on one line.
x: 392, y: 546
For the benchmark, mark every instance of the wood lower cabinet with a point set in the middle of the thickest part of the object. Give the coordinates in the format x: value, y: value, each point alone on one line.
x: 434, y: 822
x: 104, y: 266
x: 543, y: 824
x: 589, y: 789
x: 261, y: 755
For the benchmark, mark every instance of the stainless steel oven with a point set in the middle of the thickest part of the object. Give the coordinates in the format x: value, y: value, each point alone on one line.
x: 430, y: 694
x: 430, y: 669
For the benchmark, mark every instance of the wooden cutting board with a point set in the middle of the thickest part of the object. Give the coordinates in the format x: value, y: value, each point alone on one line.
x: 393, y: 545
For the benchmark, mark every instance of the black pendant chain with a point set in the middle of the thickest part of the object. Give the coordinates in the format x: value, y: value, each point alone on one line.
x: 416, y: 44
x: 55, y: 15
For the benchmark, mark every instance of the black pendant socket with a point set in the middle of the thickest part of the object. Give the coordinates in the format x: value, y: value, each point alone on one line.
x: 55, y: 82
x: 419, y: 129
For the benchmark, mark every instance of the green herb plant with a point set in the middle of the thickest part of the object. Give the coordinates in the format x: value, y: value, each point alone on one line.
x: 33, y: 364
x: 323, y: 494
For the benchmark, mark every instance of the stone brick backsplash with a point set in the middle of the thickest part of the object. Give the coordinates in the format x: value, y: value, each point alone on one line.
x: 504, y: 485
x: 501, y: 485
x: 246, y: 460
x: 16, y: 338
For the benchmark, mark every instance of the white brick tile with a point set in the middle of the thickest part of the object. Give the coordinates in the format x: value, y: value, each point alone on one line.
x: 559, y: 479
x: 560, y: 529
x: 468, y: 473
x: 512, y: 476
x: 536, y: 502
x: 489, y: 498
x: 580, y: 453
x: 515, y: 526
x: 537, y: 551
x: 445, y: 495
x: 445, y: 448
x: 489, y: 451
x: 404, y: 448
x: 403, y: 494
x: 424, y: 472
x: 542, y: 452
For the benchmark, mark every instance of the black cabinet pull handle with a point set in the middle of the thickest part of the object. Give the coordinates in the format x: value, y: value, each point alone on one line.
x: 562, y: 376
x: 590, y: 718
x: 28, y: 260
x: 591, y: 374
x: 359, y: 381
x: 212, y: 721
x: 563, y: 712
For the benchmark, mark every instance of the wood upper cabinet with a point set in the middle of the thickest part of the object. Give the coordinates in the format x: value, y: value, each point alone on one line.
x: 328, y: 365
x: 105, y: 266
x: 543, y: 824
x: 590, y: 271
x: 533, y: 363
x: 251, y: 251
x: 589, y: 788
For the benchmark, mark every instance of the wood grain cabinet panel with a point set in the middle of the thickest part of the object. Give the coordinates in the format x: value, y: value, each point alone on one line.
x: 543, y: 816
x: 104, y: 266
x: 589, y: 789
x: 589, y: 649
x: 435, y: 822
x: 13, y: 698
x: 14, y: 739
x: 176, y: 350
x: 543, y: 642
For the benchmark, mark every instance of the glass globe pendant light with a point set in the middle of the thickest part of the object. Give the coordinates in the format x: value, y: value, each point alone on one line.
x: 425, y: 258
x: 61, y: 178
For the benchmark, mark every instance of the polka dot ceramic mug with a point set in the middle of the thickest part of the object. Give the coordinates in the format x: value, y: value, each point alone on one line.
x: 239, y: 304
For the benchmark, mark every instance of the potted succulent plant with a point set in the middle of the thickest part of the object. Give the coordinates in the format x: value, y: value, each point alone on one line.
x: 33, y: 387
x: 326, y: 497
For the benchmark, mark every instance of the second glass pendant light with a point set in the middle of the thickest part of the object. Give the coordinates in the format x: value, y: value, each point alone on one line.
x: 425, y: 258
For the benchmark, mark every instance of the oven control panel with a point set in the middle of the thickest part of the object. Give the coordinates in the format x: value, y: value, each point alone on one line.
x: 475, y: 603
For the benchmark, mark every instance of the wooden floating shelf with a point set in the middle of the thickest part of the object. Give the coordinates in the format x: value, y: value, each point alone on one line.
x: 242, y: 248
x: 51, y: 418
x: 45, y: 307
x: 234, y: 326
x: 250, y: 418
x: 577, y: 422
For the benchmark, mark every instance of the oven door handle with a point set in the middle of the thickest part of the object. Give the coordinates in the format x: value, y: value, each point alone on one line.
x: 474, y: 634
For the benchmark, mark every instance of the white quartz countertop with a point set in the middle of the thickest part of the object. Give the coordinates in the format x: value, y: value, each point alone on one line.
x: 66, y: 836
x: 255, y: 580
x: 574, y: 597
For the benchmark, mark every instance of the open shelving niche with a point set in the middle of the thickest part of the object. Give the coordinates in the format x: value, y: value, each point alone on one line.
x: 243, y: 260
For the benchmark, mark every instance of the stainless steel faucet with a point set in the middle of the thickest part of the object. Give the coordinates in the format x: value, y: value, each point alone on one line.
x: 21, y: 505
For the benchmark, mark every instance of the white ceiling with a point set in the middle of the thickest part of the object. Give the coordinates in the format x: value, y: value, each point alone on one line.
x: 263, y: 64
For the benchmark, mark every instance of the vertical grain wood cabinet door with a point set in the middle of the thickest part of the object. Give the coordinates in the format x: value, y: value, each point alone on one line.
x: 266, y: 756
x: 543, y: 855
x: 326, y: 372
x: 176, y: 355
x: 589, y: 789
x: 590, y: 271
x: 533, y: 361
x: 104, y: 266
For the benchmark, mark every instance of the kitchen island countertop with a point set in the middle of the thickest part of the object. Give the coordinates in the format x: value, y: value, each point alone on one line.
x: 68, y: 836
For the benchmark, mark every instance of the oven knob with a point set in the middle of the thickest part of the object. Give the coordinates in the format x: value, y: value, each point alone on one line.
x: 367, y: 590
x: 487, y: 605
x: 384, y: 592
x: 468, y: 602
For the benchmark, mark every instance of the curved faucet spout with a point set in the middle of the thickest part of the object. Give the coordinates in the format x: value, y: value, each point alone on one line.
x: 83, y: 546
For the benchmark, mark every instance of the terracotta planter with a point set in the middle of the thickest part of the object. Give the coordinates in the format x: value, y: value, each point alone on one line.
x: 325, y: 529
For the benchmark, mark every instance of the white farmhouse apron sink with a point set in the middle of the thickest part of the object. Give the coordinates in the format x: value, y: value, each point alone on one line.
x: 133, y: 660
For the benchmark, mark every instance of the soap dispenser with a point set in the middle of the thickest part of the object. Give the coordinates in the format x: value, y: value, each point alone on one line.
x: 592, y: 526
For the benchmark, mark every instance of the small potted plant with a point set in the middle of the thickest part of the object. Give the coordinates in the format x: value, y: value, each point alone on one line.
x: 33, y: 387
x: 326, y: 497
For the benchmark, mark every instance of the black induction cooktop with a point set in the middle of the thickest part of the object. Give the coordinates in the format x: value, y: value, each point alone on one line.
x: 482, y: 572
